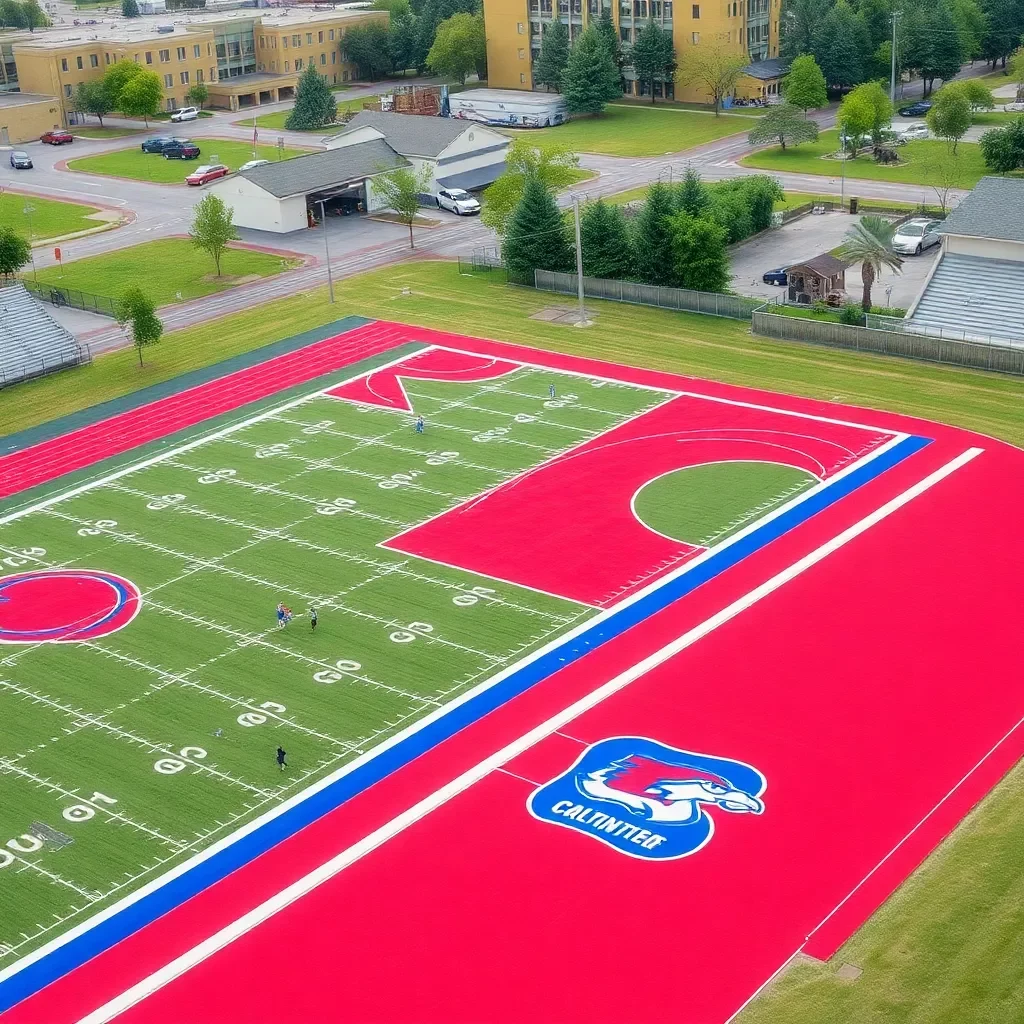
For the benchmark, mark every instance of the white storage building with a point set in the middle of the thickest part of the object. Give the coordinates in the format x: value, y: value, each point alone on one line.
x: 509, y: 107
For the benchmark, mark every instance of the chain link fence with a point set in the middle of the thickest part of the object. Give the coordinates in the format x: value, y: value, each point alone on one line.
x: 56, y: 296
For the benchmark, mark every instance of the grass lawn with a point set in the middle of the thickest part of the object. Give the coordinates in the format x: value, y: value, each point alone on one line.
x: 133, y: 163
x: 162, y: 269
x: 633, y: 130
x: 637, y: 101
x: 995, y: 118
x: 922, y: 161
x: 276, y: 121
x: 49, y: 218
x: 94, y: 131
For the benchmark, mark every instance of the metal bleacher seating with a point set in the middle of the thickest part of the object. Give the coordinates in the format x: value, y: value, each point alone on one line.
x: 31, y: 341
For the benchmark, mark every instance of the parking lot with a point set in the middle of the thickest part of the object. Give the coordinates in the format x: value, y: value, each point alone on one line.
x: 811, y: 236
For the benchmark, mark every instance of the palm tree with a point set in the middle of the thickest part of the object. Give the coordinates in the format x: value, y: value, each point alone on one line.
x: 869, y: 243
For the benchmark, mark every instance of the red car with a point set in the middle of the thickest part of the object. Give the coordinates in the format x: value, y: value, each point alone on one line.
x: 56, y: 138
x: 208, y: 172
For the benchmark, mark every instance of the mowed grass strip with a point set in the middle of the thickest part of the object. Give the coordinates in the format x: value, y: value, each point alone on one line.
x: 162, y: 269
x: 628, y: 130
x: 922, y: 161
x: 277, y: 120
x: 48, y: 218
x: 133, y: 163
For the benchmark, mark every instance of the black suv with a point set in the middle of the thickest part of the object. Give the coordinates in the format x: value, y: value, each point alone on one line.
x: 157, y: 144
x: 181, y: 149
x: 918, y: 109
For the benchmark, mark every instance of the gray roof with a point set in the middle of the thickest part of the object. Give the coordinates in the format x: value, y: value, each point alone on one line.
x: 825, y: 265
x: 412, y: 134
x: 995, y: 209
x: 766, y: 70
x: 325, y: 170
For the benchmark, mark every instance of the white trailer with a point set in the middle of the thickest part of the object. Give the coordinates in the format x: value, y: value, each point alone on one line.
x: 509, y: 107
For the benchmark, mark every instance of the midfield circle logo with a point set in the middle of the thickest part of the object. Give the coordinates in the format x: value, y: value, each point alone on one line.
x: 646, y: 799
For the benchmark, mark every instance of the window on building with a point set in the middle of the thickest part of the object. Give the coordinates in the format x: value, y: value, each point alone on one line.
x: 330, y: 35
x: 625, y: 34
x: 63, y: 63
x: 197, y: 51
x: 67, y: 90
x: 165, y: 55
x: 136, y: 58
x: 94, y: 60
x: 273, y: 65
x: 149, y: 56
x: 296, y: 40
x: 696, y: 12
x: 319, y: 37
x: 286, y: 66
x: 344, y: 76
x: 106, y: 58
x: 168, y: 81
x: 522, y: 53
x: 181, y: 53
x: 309, y: 38
x: 323, y: 58
x: 695, y: 38
x: 184, y: 77
x: 334, y: 56
x: 213, y: 74
x: 522, y: 78
x: 172, y: 103
x: 263, y: 42
x: 199, y: 74
x: 284, y: 42
x: 79, y: 63
x: 520, y: 28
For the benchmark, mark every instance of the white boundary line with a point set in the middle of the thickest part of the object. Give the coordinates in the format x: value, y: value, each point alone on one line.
x: 327, y: 780
x: 158, y: 979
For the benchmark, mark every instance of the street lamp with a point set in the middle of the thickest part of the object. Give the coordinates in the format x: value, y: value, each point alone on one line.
x: 28, y: 210
x: 327, y: 251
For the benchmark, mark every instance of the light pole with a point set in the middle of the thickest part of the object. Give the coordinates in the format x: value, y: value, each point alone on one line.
x: 582, y: 321
x: 28, y: 210
x: 327, y: 251
x: 892, y: 71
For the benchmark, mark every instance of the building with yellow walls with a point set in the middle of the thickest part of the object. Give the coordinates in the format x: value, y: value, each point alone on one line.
x: 747, y: 27
x: 243, y: 58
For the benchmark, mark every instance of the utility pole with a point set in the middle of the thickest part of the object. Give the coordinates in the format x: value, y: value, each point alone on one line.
x: 327, y: 251
x: 892, y: 73
x: 582, y: 321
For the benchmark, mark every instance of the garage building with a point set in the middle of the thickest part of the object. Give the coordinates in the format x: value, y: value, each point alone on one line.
x: 275, y: 196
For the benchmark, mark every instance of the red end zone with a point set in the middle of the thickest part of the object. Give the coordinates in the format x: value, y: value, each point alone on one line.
x: 864, y: 663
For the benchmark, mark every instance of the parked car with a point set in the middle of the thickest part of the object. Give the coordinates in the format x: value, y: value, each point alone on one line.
x: 776, y: 276
x: 913, y: 237
x: 250, y: 164
x: 181, y: 149
x: 1013, y: 108
x: 918, y: 109
x: 56, y: 137
x: 157, y: 143
x: 20, y: 160
x: 206, y: 173
x: 913, y: 132
x: 185, y: 114
x: 456, y: 200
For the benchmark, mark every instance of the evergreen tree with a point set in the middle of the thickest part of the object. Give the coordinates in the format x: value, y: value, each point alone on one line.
x: 609, y: 34
x: 402, y: 39
x: 692, y: 196
x: 367, y: 46
x: 536, y: 238
x: 653, y: 262
x: 315, y: 105
x: 945, y: 52
x: 605, y: 241
x: 698, y: 251
x: 553, y: 57
x: 841, y: 45
x: 129, y: 9
x: 590, y: 79
x: 804, y: 86
x: 653, y: 56
x: 798, y: 23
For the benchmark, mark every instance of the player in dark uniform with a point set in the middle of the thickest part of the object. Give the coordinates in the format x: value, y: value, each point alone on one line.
x: 281, y: 755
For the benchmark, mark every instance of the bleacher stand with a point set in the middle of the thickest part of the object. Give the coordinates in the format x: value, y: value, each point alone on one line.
x: 31, y: 341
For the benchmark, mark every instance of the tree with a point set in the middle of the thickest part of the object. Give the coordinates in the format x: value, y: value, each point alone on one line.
x: 197, y: 95
x: 459, y: 47
x: 400, y: 190
x: 841, y: 45
x: 653, y: 56
x: 366, y: 46
x: 875, y: 15
x: 315, y: 105
x: 141, y: 96
x: 129, y: 9
x: 605, y: 241
x: 590, y: 78
x: 1015, y: 69
x: 652, y: 240
x: 117, y: 76
x: 554, y: 165
x: 15, y: 251
x: 798, y: 23
x: 402, y: 40
x: 869, y: 243
x: 945, y: 51
x: 213, y: 227
x: 11, y: 15
x: 698, y: 252
x: 715, y: 67
x: 553, y: 56
x: 785, y: 123
x: 1003, y: 148
x: 692, y: 196
x: 977, y: 95
x: 950, y: 118
x: 971, y: 22
x: 945, y: 172
x: 855, y: 119
x: 865, y: 111
x: 609, y: 34
x: 94, y: 98
x: 536, y: 237
x: 804, y: 86
x: 1004, y: 25
x: 135, y: 308
x: 32, y: 15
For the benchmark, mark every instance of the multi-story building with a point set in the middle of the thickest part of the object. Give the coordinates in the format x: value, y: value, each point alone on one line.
x: 244, y: 59
x: 746, y: 27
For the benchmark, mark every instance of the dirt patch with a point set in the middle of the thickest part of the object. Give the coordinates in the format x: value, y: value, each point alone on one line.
x: 566, y: 315
x: 230, y: 279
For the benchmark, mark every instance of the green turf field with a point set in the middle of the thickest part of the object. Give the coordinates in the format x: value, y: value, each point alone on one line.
x: 177, y: 716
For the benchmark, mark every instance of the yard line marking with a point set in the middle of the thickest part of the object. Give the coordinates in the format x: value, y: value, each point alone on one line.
x: 158, y: 979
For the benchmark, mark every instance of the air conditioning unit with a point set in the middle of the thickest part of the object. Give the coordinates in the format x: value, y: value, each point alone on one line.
x: 165, y: 28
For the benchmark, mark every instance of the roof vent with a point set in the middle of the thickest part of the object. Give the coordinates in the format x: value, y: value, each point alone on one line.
x: 165, y: 28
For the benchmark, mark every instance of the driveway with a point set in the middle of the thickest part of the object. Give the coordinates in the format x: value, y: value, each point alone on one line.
x: 811, y: 236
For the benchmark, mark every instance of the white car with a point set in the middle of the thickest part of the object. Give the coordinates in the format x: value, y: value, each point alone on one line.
x: 456, y: 200
x: 913, y: 132
x: 913, y: 237
x: 185, y: 114
x: 250, y: 164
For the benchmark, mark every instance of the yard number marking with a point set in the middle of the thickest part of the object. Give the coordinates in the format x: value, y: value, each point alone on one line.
x: 164, y: 501
x: 332, y: 508
x: 172, y: 765
x: 216, y: 476
x: 413, y: 630
x: 319, y: 427
x: 441, y: 458
x: 252, y: 718
x: 470, y: 598
x: 344, y: 667
x: 28, y: 843
x: 24, y: 556
x: 270, y: 450
x: 97, y: 528
x: 490, y: 435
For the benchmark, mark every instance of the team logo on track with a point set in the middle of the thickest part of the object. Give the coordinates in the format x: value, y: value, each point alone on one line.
x: 646, y: 799
x: 64, y: 605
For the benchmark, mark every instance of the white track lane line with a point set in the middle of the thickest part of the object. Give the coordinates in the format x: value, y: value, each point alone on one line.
x: 158, y: 979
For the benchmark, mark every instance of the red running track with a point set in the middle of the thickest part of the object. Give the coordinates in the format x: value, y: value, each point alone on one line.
x: 876, y: 692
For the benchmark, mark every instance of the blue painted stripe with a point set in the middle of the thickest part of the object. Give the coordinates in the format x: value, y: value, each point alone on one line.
x: 135, y: 916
